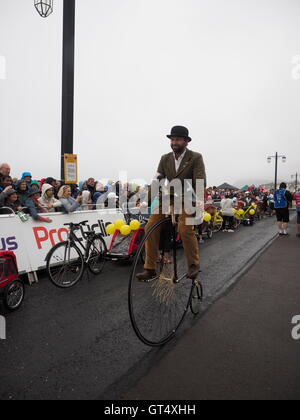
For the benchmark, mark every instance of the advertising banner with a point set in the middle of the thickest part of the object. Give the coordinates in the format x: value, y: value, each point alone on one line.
x: 31, y: 241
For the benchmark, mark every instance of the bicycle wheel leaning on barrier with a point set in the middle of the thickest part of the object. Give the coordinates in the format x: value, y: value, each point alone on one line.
x: 66, y: 262
x: 157, y: 307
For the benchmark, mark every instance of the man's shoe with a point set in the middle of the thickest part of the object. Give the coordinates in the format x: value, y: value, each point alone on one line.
x: 146, y: 275
x: 193, y: 272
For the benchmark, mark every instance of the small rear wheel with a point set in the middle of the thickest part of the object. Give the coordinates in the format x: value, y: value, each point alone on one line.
x: 14, y: 295
x: 196, y: 298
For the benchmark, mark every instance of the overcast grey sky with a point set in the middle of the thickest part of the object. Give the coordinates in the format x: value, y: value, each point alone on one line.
x: 228, y: 70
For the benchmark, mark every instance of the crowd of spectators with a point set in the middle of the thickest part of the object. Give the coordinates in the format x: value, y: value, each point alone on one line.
x: 49, y: 195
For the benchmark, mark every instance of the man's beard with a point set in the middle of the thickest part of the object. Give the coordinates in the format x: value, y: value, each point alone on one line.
x: 178, y: 149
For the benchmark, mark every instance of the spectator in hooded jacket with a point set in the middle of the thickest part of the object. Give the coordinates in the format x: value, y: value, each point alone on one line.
x: 35, y: 185
x: 99, y: 191
x: 27, y: 177
x: 68, y: 203
x: 34, y: 207
x: 47, y: 200
x: 22, y: 191
x: 91, y: 186
x: 9, y: 199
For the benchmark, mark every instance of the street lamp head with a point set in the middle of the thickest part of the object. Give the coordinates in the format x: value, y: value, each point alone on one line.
x: 269, y: 159
x: 283, y: 159
x: 44, y: 7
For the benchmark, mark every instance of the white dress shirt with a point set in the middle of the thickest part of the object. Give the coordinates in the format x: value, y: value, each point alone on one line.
x: 179, y: 160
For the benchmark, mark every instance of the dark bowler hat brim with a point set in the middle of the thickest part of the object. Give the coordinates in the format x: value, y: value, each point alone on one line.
x: 180, y: 131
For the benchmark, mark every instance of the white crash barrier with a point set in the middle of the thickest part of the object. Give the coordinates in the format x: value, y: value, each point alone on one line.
x: 31, y: 241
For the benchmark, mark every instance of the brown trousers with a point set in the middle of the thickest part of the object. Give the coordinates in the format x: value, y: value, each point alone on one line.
x: 188, y: 237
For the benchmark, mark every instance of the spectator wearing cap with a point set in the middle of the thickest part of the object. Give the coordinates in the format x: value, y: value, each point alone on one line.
x: 34, y: 207
x: 35, y: 184
x: 68, y: 203
x: 27, y: 177
x: 9, y: 199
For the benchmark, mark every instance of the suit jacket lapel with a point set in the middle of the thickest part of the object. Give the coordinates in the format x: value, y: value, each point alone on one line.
x: 171, y: 166
x: 186, y: 160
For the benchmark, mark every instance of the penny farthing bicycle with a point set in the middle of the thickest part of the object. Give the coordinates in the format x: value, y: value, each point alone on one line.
x: 158, y: 307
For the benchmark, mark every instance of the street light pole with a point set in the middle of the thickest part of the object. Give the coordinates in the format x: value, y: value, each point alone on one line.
x: 296, y: 181
x: 276, y: 157
x: 67, y: 124
x: 45, y: 8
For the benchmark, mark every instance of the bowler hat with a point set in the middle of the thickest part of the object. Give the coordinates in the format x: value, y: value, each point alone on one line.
x: 179, y: 131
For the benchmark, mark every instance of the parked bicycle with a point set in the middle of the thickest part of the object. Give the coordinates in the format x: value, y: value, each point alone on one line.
x: 66, y: 262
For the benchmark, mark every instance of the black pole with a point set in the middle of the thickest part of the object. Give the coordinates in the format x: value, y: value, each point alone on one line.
x: 67, y: 126
x: 276, y: 169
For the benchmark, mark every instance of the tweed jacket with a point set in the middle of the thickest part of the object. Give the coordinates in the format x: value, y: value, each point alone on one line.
x: 191, y: 168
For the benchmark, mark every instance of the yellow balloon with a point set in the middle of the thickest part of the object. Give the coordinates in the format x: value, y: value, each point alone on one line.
x: 110, y: 229
x: 119, y: 223
x: 125, y: 230
x: 252, y: 212
x: 207, y: 217
x: 235, y: 211
x: 135, y: 225
x: 241, y: 212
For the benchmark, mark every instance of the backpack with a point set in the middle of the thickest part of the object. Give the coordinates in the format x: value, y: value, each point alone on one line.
x: 280, y: 200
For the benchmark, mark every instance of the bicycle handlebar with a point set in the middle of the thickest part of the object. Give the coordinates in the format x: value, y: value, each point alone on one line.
x: 76, y: 224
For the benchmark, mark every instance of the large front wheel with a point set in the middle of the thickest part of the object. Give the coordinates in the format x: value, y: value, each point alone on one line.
x: 158, y: 306
x: 65, y: 265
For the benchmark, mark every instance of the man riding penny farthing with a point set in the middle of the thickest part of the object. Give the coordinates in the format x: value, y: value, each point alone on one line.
x: 164, y: 280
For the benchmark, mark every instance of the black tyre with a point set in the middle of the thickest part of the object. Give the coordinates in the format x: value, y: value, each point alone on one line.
x: 97, y: 251
x: 65, y: 265
x: 157, y: 307
x: 14, y: 295
x: 196, y: 298
x: 237, y: 223
x: 209, y: 232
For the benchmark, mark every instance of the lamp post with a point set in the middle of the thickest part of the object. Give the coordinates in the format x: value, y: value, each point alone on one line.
x: 276, y: 157
x: 295, y: 177
x: 45, y: 8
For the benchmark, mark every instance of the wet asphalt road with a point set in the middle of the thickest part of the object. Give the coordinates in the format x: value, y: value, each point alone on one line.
x: 79, y: 344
